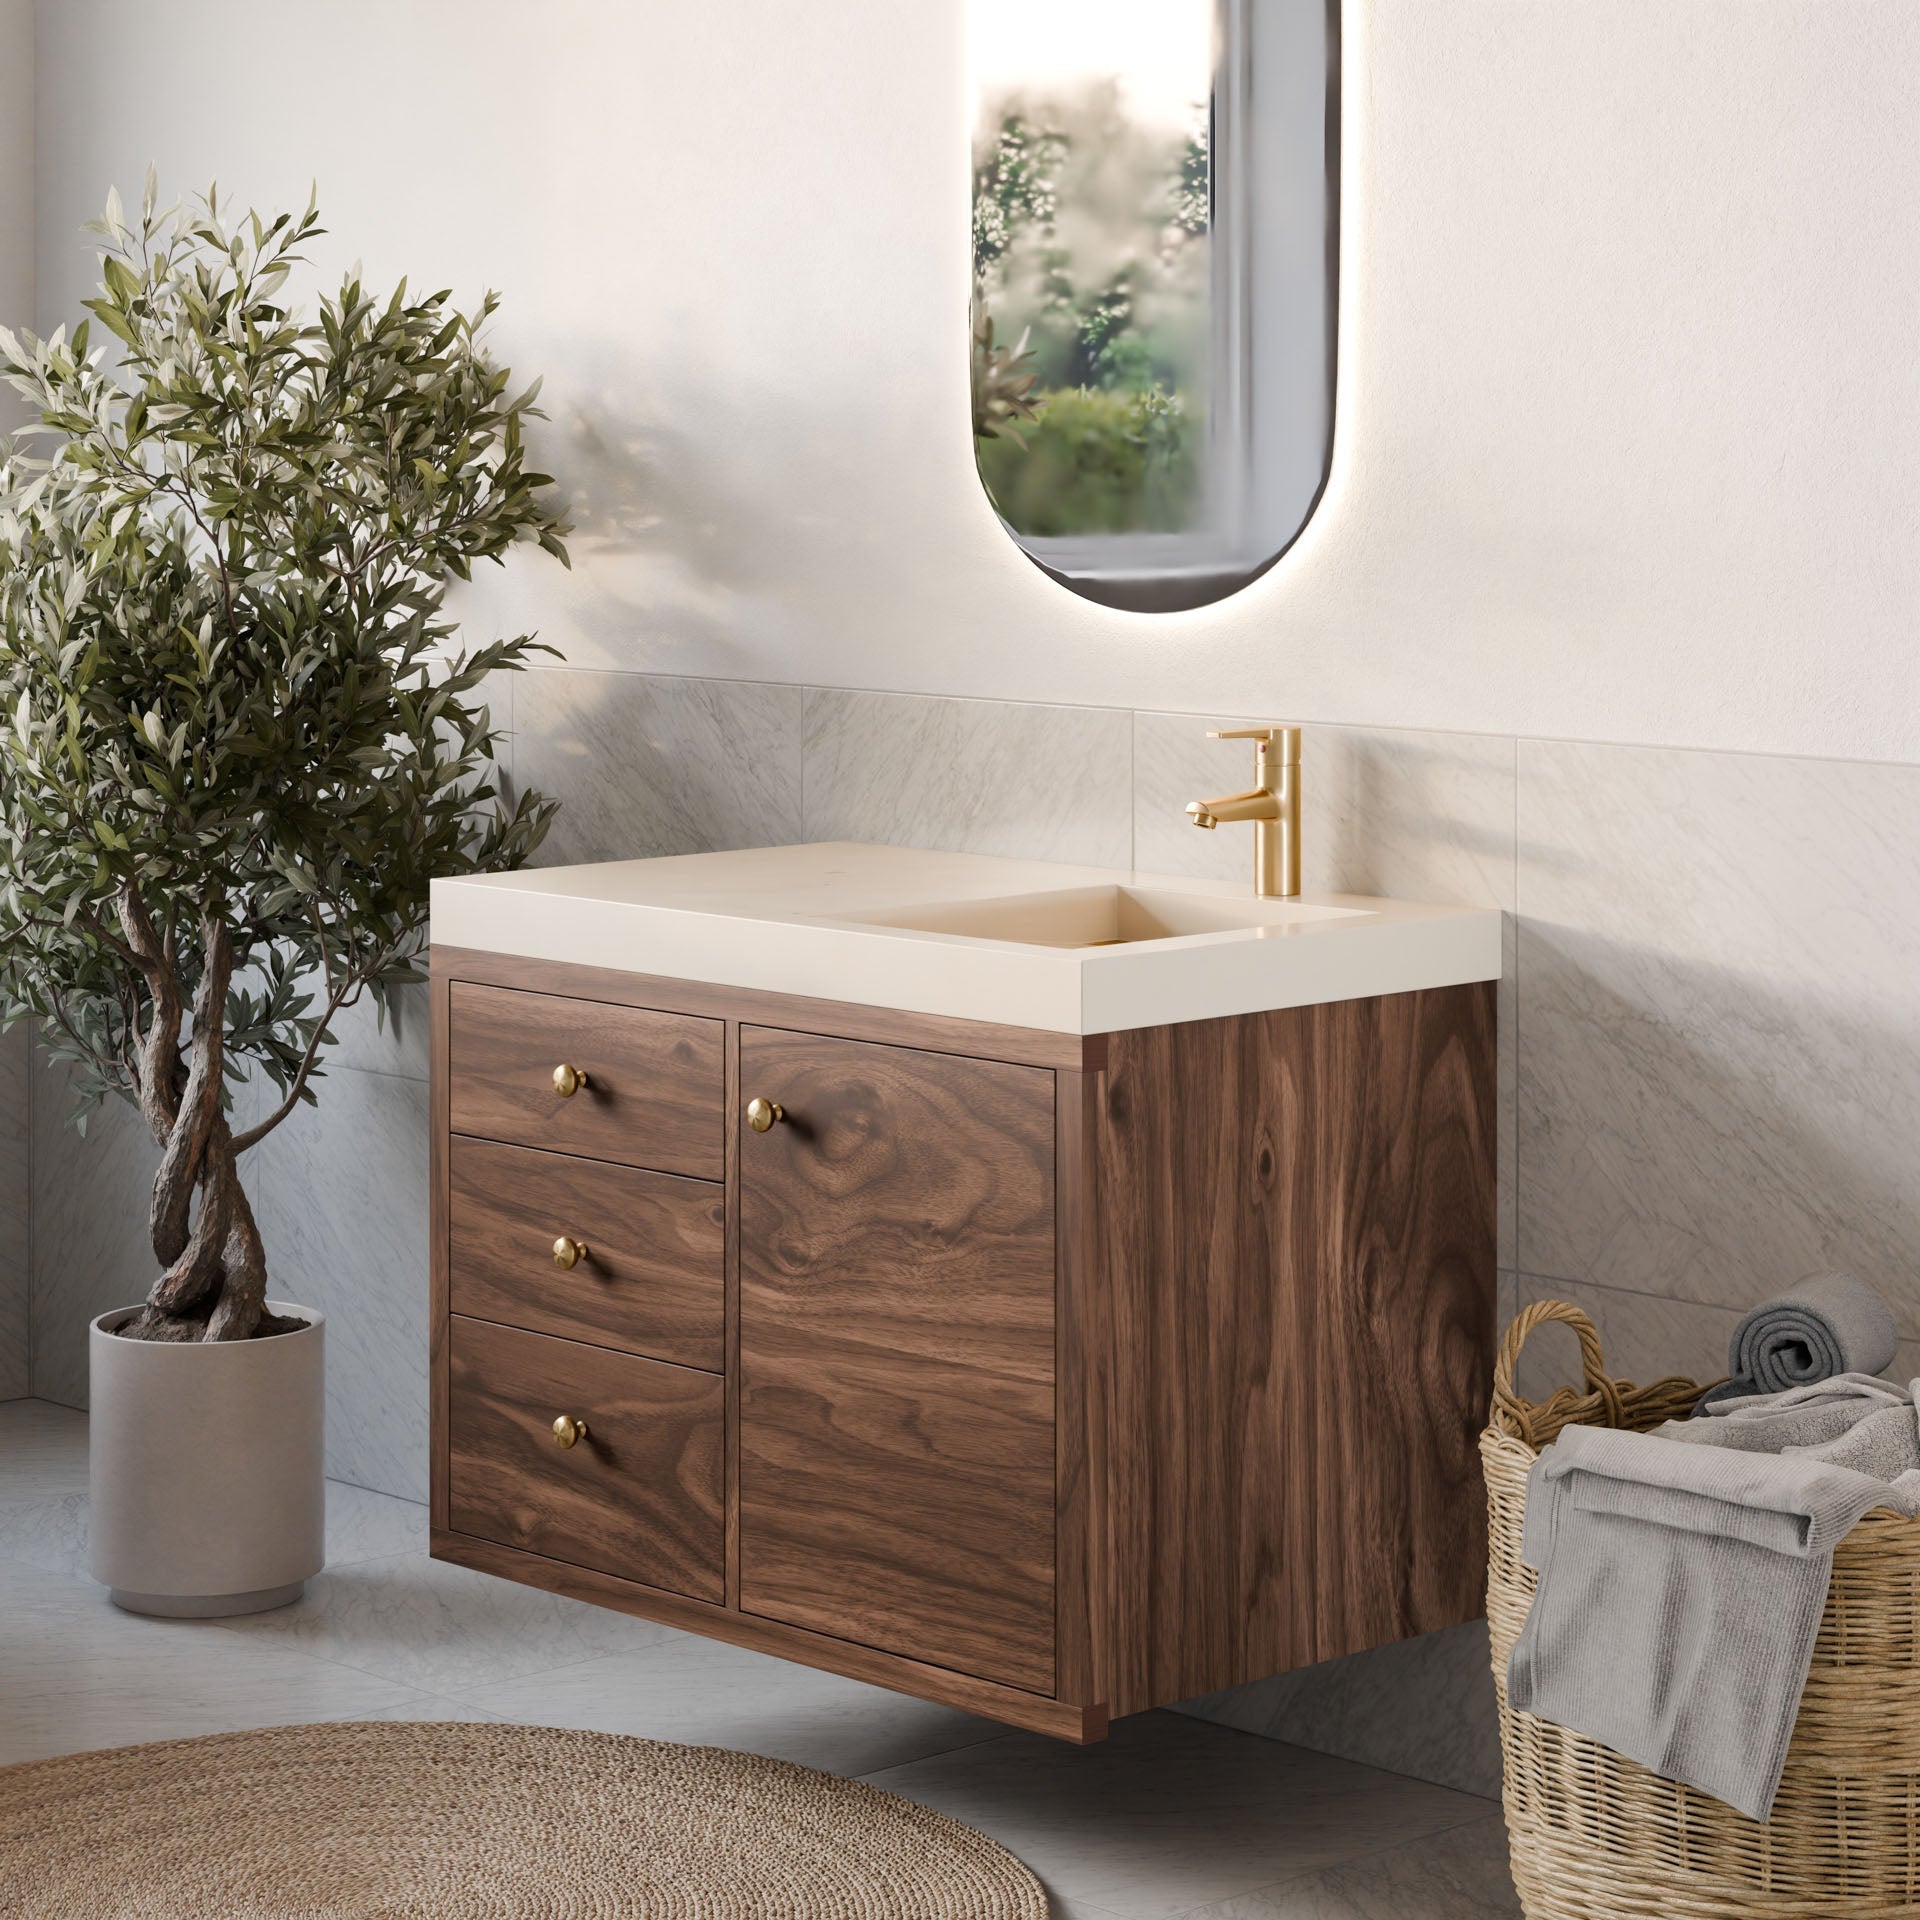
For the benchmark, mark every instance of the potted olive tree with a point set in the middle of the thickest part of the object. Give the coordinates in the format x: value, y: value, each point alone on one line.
x: 236, y: 741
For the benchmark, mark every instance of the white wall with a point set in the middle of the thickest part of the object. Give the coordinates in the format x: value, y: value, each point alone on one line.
x: 16, y: 309
x: 16, y: 163
x: 1630, y: 375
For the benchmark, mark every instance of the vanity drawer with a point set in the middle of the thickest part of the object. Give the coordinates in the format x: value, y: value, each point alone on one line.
x: 640, y: 1495
x: 651, y: 1277
x: 654, y: 1084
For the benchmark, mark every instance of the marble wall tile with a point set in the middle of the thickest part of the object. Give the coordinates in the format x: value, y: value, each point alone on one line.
x: 366, y: 1043
x: 1719, y: 1071
x: 970, y: 776
x: 90, y: 1246
x: 16, y: 1212
x: 1413, y: 816
x: 1423, y: 1707
x: 1418, y: 815
x: 645, y: 765
x: 341, y: 1194
x: 1643, y: 1338
x: 90, y: 1201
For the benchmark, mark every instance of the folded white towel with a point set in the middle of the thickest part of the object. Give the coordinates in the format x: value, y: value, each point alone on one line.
x: 1680, y: 1593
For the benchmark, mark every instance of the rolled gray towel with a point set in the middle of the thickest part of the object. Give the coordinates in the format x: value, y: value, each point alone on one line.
x: 1828, y: 1324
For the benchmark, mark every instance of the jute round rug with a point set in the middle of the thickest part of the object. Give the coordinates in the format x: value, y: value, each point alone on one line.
x: 386, y: 1821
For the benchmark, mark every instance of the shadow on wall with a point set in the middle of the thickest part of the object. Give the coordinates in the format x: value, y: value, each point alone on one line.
x: 657, y: 546
x: 688, y: 538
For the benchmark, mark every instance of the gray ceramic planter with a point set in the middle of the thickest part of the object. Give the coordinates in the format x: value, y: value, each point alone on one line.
x: 206, y: 1468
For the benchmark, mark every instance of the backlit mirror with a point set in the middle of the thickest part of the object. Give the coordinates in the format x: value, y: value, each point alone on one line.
x: 1153, y: 285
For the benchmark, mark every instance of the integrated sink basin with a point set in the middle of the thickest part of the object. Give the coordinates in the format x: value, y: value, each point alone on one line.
x: 1024, y: 943
x: 1114, y: 916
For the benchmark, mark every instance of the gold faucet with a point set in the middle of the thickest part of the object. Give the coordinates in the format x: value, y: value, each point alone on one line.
x: 1273, y: 806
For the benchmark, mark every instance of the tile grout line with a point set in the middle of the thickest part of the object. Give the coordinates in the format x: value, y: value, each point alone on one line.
x: 1133, y: 790
x: 1351, y: 725
x: 269, y: 1639
x: 1634, y: 1293
x: 938, y: 1753
x: 806, y: 696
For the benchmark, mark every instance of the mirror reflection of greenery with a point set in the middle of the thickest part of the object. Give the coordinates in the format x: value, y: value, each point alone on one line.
x: 1090, y: 235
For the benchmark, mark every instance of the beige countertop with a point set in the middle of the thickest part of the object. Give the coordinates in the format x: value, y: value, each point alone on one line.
x: 1029, y: 943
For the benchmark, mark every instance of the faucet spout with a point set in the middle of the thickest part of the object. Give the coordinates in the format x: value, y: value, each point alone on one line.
x: 1257, y: 803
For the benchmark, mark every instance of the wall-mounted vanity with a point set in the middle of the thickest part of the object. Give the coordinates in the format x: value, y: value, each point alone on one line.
x: 1037, y: 1289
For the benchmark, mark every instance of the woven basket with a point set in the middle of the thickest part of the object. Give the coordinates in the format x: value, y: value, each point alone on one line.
x: 1596, y: 1837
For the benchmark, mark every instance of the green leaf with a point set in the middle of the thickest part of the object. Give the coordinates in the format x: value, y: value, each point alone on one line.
x: 122, y: 286
x: 232, y: 683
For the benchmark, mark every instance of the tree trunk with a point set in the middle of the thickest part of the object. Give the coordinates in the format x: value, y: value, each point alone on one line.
x: 217, y: 1289
x: 195, y: 1116
x: 239, y: 1312
x: 214, y: 1280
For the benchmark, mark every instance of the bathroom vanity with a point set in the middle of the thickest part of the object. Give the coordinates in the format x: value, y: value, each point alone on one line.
x: 1042, y: 1291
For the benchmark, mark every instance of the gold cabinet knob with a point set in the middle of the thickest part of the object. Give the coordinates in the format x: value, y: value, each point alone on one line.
x: 567, y: 1081
x: 569, y: 1252
x: 568, y: 1431
x: 761, y: 1114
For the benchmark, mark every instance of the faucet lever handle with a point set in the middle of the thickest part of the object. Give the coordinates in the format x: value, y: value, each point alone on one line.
x: 1287, y: 739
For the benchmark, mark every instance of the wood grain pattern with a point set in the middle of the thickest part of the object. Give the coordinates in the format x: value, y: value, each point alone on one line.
x: 897, y: 1471
x: 653, y: 1281
x: 1296, y: 1236
x: 734, y: 1132
x: 439, y: 1217
x: 655, y: 1080
x: 1033, y: 1711
x: 641, y: 1495
x: 839, y: 1019
x: 1081, y: 1380
x: 1082, y: 1600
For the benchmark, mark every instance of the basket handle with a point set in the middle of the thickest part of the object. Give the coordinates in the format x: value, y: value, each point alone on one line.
x: 1592, y: 1361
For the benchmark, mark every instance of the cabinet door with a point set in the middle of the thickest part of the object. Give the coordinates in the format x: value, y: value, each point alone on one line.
x: 897, y: 1352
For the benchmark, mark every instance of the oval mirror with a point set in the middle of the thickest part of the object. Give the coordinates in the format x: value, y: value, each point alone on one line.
x: 1154, y: 223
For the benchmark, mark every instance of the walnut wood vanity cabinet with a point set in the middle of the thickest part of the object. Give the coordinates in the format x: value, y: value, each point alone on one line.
x: 1051, y: 1377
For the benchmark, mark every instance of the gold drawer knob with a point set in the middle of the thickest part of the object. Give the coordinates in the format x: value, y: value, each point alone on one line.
x: 761, y: 1114
x: 567, y: 1081
x: 569, y: 1252
x: 569, y: 1432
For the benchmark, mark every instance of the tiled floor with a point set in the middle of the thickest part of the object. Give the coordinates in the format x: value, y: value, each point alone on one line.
x: 1170, y: 1816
